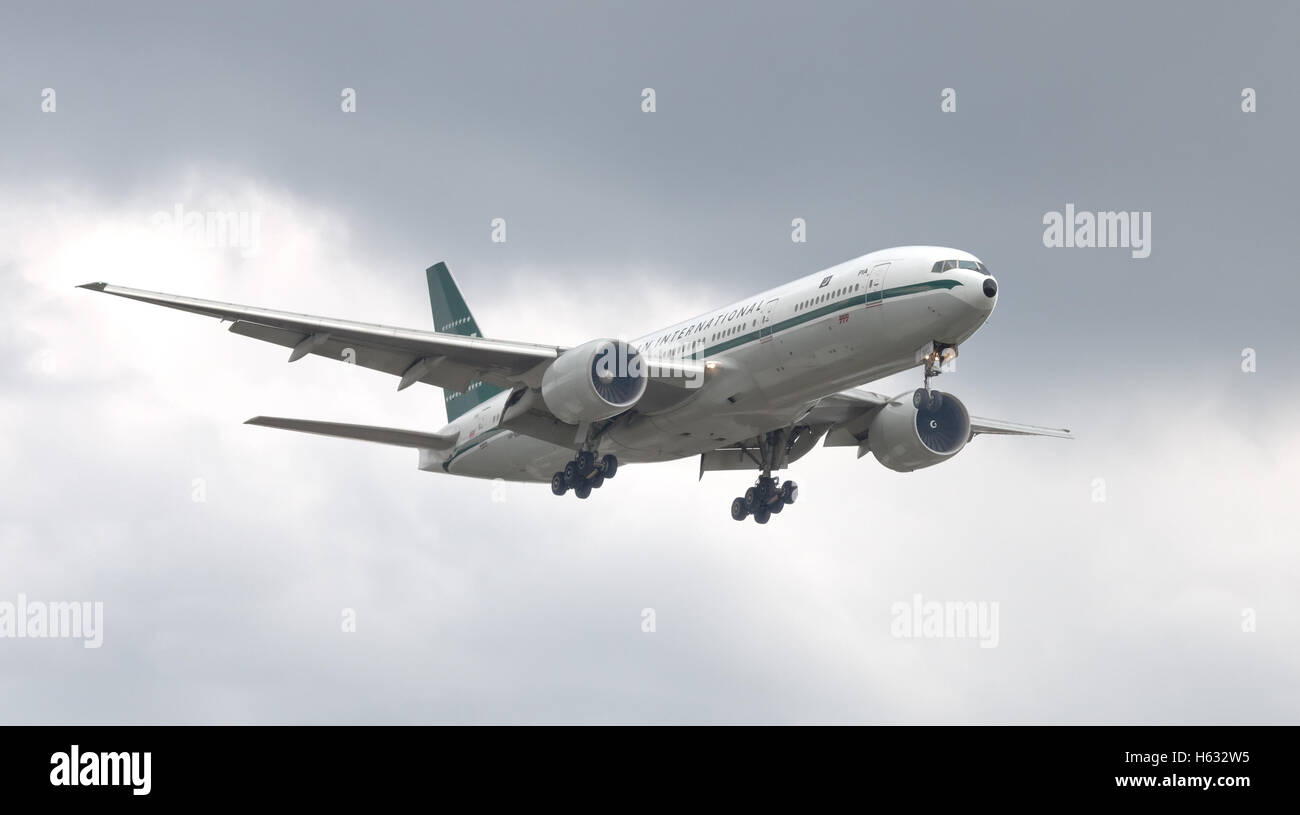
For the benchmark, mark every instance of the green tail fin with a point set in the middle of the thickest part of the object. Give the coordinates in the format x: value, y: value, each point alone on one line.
x: 452, y: 316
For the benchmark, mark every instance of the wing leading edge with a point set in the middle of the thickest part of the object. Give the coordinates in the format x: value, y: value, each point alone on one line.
x: 450, y: 361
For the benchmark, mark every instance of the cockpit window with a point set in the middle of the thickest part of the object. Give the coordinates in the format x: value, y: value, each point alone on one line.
x: 945, y: 265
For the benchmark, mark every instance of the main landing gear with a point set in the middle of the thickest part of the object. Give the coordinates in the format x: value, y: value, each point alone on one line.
x: 584, y: 474
x: 768, y: 496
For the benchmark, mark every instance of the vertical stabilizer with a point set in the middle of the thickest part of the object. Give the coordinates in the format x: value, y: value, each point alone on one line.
x: 452, y: 316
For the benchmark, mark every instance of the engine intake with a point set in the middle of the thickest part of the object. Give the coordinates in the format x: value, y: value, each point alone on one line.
x: 916, y: 430
x: 594, y: 381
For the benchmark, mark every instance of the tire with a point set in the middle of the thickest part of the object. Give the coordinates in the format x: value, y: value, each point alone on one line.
x: 738, y: 510
x: 763, y: 515
x: 609, y: 465
x: 582, y: 490
x: 571, y: 477
x: 789, y: 492
x: 751, y: 499
x: 597, y: 480
x: 558, y: 485
x: 776, y: 507
x: 586, y: 462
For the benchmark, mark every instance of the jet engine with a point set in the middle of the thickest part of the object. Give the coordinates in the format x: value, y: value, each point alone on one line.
x: 594, y: 381
x: 918, y: 430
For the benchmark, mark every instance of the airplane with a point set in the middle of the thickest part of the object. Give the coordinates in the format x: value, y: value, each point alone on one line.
x: 753, y: 385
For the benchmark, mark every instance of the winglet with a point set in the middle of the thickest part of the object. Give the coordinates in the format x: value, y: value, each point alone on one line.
x: 100, y: 286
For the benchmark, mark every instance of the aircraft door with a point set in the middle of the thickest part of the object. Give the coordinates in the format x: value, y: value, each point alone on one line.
x: 767, y: 321
x: 876, y: 285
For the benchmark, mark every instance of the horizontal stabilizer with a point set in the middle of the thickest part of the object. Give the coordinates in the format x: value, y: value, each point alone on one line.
x: 361, y: 432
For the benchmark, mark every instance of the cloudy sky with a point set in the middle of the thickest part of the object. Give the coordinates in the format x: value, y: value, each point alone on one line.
x: 1144, y: 572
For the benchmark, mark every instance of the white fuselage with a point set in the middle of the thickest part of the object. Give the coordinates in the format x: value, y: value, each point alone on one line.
x: 771, y: 357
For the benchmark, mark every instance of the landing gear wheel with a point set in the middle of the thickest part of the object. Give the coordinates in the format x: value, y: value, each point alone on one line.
x: 558, y: 485
x: 597, y: 480
x: 586, y: 461
x: 609, y: 465
x: 739, y: 511
x: 582, y: 490
x: 571, y: 477
x: 768, y: 497
x: 789, y: 492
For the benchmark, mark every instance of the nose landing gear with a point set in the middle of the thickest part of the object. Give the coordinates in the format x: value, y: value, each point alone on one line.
x: 935, y: 356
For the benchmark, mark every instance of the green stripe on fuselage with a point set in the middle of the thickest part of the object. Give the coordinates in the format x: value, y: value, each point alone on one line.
x: 829, y: 308
x: 470, y: 445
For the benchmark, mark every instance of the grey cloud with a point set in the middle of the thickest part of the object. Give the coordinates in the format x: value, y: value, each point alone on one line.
x: 470, y: 610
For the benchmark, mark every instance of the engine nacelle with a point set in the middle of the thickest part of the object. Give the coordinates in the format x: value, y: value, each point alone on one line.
x: 909, y: 433
x: 594, y: 381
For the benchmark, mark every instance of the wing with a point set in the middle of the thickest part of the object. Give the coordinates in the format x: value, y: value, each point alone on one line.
x: 445, y: 360
x: 362, y: 432
x: 850, y: 412
x: 996, y: 427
